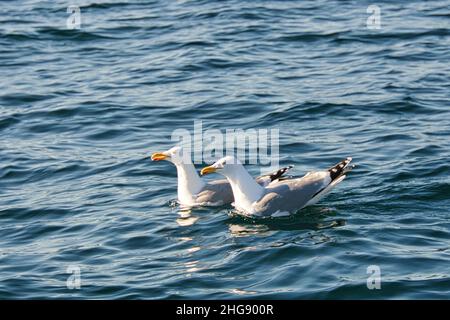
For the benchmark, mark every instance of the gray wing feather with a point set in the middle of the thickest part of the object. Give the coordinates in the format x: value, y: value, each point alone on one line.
x: 291, y: 195
x: 217, y: 192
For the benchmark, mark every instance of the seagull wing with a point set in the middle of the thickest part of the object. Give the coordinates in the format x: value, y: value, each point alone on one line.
x: 288, y: 196
x: 215, y: 193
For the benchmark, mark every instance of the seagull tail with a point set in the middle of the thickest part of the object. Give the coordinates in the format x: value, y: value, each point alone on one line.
x: 340, y: 169
x: 337, y: 174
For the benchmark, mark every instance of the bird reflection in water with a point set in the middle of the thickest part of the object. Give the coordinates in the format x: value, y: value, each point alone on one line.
x: 185, y: 217
x: 313, y: 219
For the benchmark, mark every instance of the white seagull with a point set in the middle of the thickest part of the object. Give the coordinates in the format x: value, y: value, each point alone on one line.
x: 193, y: 190
x: 280, y: 197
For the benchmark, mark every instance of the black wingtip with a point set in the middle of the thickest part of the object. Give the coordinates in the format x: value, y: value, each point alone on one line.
x: 340, y: 168
x: 280, y: 172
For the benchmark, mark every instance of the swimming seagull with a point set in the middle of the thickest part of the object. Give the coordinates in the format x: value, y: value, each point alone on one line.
x: 194, y: 190
x: 278, y: 198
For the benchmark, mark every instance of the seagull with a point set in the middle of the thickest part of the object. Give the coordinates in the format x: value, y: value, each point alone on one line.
x: 282, y: 197
x: 193, y: 190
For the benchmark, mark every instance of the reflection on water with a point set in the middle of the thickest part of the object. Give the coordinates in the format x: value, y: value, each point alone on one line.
x: 310, y: 224
x: 193, y: 249
x: 331, y: 224
x: 244, y: 230
x: 192, y: 267
x: 186, y: 219
x: 315, y: 218
x: 241, y: 292
x: 184, y: 239
x: 185, y: 222
x: 188, y: 259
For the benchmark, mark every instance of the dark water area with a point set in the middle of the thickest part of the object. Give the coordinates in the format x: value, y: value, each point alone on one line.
x: 81, y: 110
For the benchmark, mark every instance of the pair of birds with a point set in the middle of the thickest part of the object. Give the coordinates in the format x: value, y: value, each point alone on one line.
x: 272, y: 195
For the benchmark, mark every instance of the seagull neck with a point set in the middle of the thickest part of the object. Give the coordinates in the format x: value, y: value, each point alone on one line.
x: 245, y: 189
x: 189, y: 182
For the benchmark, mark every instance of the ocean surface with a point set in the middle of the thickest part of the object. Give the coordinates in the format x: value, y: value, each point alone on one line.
x: 81, y: 110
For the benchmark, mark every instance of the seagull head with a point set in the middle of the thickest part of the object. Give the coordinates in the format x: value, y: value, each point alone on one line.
x: 174, y: 155
x: 225, y: 166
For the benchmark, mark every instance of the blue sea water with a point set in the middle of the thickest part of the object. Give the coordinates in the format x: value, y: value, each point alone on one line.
x: 81, y: 110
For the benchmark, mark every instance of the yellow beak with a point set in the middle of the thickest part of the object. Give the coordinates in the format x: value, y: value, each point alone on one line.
x: 157, y: 156
x: 207, y: 170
